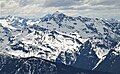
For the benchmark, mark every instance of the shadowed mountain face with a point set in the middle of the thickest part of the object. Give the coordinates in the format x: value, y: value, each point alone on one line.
x: 111, y: 63
x: 67, y: 44
x: 33, y: 65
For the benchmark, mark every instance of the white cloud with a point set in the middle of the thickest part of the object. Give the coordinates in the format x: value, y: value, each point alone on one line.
x: 70, y: 7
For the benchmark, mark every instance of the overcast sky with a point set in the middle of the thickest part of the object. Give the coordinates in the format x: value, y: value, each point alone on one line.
x: 38, y: 8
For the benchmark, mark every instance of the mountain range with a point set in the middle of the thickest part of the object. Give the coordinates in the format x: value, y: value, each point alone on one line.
x: 75, y: 43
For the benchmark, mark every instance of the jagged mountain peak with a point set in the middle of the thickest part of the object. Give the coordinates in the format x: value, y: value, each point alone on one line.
x: 58, y: 13
x: 56, y: 16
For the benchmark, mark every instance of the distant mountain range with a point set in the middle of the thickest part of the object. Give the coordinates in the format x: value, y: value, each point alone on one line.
x: 81, y: 44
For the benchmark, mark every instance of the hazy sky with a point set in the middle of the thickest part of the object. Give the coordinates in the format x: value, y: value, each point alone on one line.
x: 38, y: 8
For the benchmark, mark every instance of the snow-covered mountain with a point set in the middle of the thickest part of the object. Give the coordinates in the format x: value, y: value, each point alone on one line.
x: 75, y: 41
x: 111, y: 62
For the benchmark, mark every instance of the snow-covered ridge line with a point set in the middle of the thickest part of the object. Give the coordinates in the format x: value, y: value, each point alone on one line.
x: 47, y: 46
